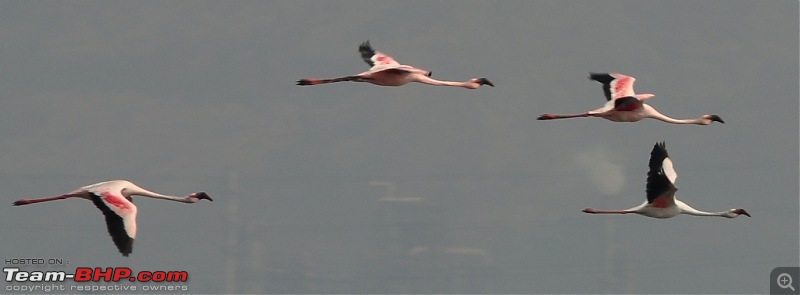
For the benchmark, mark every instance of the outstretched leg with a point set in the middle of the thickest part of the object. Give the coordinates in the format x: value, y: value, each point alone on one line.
x: 310, y: 81
x: 61, y: 197
x: 554, y: 116
x: 595, y: 211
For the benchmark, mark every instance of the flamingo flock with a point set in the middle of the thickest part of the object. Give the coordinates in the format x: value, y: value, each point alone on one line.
x: 113, y: 198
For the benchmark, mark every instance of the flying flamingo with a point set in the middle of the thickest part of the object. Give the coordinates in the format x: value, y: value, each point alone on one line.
x: 385, y: 71
x: 113, y: 198
x: 661, y: 202
x: 626, y: 106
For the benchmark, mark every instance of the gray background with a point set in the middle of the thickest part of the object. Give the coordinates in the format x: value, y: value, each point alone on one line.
x: 183, y: 96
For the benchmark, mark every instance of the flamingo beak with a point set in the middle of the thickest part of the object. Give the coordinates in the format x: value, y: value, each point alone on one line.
x: 716, y: 119
x: 484, y: 81
x: 429, y: 74
x: 741, y: 212
x: 203, y: 196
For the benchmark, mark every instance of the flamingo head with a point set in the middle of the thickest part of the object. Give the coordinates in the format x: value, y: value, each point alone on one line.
x: 481, y: 81
x: 736, y: 212
x: 708, y: 119
x: 200, y: 196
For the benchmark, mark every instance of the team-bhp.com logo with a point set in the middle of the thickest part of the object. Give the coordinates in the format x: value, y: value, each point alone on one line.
x: 97, y: 274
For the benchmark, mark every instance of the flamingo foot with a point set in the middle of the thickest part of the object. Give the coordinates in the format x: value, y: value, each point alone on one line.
x: 546, y: 117
x: 21, y: 202
x: 306, y: 82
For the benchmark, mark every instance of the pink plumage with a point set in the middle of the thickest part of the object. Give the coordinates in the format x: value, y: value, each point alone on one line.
x: 385, y: 71
x: 624, y: 105
x: 113, y: 198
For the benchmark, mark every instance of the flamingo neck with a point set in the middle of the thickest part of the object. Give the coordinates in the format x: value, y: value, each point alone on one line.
x: 703, y: 213
x: 686, y: 209
x: 430, y: 81
x: 652, y: 113
x: 145, y: 193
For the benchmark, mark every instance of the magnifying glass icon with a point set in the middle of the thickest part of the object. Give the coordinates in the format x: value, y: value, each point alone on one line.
x: 785, y: 281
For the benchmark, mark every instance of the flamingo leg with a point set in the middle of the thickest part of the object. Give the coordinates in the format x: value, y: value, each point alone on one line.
x: 595, y: 211
x: 311, y: 81
x: 556, y: 116
x: 34, y: 201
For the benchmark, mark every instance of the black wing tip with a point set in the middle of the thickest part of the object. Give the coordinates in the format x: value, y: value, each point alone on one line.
x: 116, y: 227
x: 124, y: 243
x: 657, y: 181
x: 366, y: 53
x: 601, y: 77
x: 605, y: 79
x: 365, y: 47
x: 657, y: 155
x: 127, y: 248
x: 660, y: 147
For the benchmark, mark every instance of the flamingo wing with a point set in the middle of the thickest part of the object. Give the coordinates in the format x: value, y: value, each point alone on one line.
x: 627, y: 104
x: 609, y: 106
x: 661, y: 178
x: 615, y: 85
x: 375, y: 58
x: 120, y: 216
x: 394, y: 67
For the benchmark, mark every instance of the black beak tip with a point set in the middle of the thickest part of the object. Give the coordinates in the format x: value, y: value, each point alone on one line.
x: 717, y: 119
x: 204, y: 195
x: 484, y: 81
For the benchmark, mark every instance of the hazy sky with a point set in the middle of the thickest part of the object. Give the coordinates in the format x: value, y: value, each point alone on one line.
x: 184, y: 96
